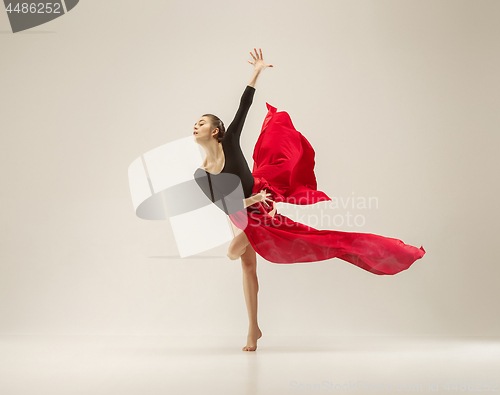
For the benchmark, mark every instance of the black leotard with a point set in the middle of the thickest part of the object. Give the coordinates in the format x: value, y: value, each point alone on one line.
x: 221, y: 185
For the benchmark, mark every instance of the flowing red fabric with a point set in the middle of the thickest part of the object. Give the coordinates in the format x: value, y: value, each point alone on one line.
x: 284, y: 166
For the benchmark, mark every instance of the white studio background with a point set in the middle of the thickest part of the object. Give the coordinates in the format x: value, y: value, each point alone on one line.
x: 398, y: 99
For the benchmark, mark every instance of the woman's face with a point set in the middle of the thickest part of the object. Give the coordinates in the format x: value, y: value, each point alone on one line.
x: 203, y: 129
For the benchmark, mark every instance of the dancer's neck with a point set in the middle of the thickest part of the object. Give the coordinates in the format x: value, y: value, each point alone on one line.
x: 215, y: 159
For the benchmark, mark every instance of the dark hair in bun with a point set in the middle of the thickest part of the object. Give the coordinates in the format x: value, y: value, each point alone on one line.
x: 216, y: 122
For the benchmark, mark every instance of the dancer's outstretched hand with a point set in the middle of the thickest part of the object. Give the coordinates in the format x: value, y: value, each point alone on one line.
x: 263, y: 196
x: 258, y: 61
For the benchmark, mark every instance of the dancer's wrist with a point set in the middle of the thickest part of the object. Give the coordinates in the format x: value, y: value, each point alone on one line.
x: 255, y: 74
x: 251, y: 200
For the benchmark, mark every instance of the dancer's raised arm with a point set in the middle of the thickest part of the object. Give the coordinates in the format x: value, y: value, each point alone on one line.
x: 236, y: 126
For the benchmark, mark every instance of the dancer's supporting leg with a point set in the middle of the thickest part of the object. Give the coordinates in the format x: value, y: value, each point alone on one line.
x: 251, y: 288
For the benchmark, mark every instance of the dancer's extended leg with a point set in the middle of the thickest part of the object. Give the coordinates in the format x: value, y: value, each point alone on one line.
x: 251, y: 288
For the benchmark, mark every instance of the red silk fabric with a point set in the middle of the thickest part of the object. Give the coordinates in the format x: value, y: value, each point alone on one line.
x: 284, y: 166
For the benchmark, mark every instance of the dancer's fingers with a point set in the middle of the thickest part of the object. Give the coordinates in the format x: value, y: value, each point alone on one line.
x: 252, y: 55
x: 261, y: 53
x: 256, y: 53
x: 263, y: 197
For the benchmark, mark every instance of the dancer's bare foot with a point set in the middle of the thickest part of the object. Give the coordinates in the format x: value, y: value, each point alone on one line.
x: 253, y: 335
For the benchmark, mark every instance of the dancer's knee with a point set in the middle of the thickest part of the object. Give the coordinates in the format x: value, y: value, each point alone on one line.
x: 231, y: 255
x: 249, y: 260
x: 248, y: 266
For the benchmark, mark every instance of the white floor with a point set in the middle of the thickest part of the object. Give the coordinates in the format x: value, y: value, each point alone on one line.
x: 32, y: 365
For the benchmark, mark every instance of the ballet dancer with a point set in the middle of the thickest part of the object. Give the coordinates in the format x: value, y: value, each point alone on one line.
x: 283, y: 171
